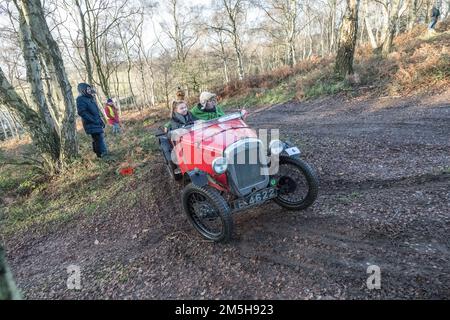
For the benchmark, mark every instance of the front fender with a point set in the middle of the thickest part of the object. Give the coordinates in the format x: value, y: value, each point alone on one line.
x: 291, y: 150
x: 198, y: 177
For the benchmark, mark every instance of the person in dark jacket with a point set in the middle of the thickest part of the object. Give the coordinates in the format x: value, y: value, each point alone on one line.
x: 92, y: 120
x: 181, y: 117
x: 435, y: 13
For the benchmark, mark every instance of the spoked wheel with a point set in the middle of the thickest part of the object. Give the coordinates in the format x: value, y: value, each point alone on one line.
x: 208, y: 212
x: 297, y: 182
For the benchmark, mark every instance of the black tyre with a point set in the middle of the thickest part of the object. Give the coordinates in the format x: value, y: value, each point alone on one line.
x: 297, y: 182
x: 208, y: 212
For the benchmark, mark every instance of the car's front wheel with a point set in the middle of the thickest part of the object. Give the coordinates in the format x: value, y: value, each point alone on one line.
x: 298, y: 184
x: 208, y: 212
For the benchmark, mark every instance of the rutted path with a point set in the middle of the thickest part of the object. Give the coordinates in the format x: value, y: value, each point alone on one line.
x: 385, y: 200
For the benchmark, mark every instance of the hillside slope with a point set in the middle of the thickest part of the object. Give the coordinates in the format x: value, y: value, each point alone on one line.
x: 384, y: 199
x: 419, y: 63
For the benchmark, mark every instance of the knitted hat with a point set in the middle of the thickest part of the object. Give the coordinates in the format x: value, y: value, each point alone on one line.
x: 109, y: 102
x: 205, y: 96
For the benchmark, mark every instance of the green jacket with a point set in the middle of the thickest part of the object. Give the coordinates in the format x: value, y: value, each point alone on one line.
x: 207, y: 114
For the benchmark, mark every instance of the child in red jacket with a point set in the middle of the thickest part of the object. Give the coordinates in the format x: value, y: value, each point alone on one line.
x: 113, y: 116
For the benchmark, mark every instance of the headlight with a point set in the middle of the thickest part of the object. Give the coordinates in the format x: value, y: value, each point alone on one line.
x: 276, y: 147
x: 219, y: 165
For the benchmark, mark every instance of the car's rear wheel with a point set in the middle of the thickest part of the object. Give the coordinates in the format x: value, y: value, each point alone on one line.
x: 208, y: 212
x: 297, y: 182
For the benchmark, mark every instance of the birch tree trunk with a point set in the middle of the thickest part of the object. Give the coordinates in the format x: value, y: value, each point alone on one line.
x: 333, y: 10
x: 12, y: 123
x: 44, y: 136
x: 291, y: 17
x: 347, y: 39
x: 61, y: 88
x: 412, y: 13
x: 233, y: 10
x: 87, y: 58
x: 392, y: 24
x: 372, y: 39
x: 5, y: 133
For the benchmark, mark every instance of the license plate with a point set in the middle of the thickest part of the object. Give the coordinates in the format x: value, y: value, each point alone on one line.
x: 292, y: 151
x: 255, y: 198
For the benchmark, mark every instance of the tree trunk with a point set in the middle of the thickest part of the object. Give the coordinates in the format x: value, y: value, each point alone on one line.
x: 224, y: 57
x: 5, y: 133
x: 8, y: 290
x: 87, y: 58
x: 347, y: 39
x: 13, y: 123
x: 240, y: 65
x: 18, y: 129
x: 49, y: 125
x: 372, y: 39
x: 44, y: 136
x: 392, y: 24
x: 62, y: 89
x: 333, y: 10
x: 125, y: 47
x: 291, y: 15
x: 232, y: 15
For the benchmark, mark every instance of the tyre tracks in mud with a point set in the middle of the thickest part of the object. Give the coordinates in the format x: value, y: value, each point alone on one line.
x: 330, y: 187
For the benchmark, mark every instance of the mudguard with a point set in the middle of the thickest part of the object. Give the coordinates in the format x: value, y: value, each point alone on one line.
x: 291, y: 150
x: 199, y: 178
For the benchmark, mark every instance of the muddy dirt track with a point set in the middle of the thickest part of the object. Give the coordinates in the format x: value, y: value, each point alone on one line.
x: 384, y: 200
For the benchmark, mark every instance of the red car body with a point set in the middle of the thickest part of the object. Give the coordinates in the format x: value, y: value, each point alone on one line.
x: 196, y: 147
x: 225, y: 168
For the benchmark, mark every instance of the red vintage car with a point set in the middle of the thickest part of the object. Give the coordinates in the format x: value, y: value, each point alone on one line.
x: 225, y: 167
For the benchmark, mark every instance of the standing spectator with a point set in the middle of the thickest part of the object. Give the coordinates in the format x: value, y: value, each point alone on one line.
x: 112, y: 113
x: 435, y: 13
x: 92, y: 121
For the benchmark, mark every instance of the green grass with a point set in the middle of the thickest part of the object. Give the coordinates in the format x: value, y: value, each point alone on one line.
x: 313, y: 85
x: 86, y: 188
x: 325, y: 88
x: 256, y: 98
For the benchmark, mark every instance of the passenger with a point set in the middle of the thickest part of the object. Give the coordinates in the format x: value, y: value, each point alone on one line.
x: 207, y: 109
x: 181, y: 117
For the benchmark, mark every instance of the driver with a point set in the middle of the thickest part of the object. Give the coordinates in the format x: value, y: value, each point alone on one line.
x: 207, y: 109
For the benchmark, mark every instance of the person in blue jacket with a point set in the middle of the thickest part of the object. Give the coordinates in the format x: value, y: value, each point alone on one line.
x: 92, y: 120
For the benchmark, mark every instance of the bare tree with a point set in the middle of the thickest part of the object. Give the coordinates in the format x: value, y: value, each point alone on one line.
x: 347, y: 39
x: 393, y: 7
x: 61, y: 90
x: 84, y: 35
x: 234, y: 14
x: 180, y: 31
x: 221, y: 51
x: 52, y: 125
x: 368, y: 25
x: 284, y: 13
x: 127, y: 32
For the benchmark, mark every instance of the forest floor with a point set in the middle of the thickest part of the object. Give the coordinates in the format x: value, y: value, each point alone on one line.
x: 384, y: 168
